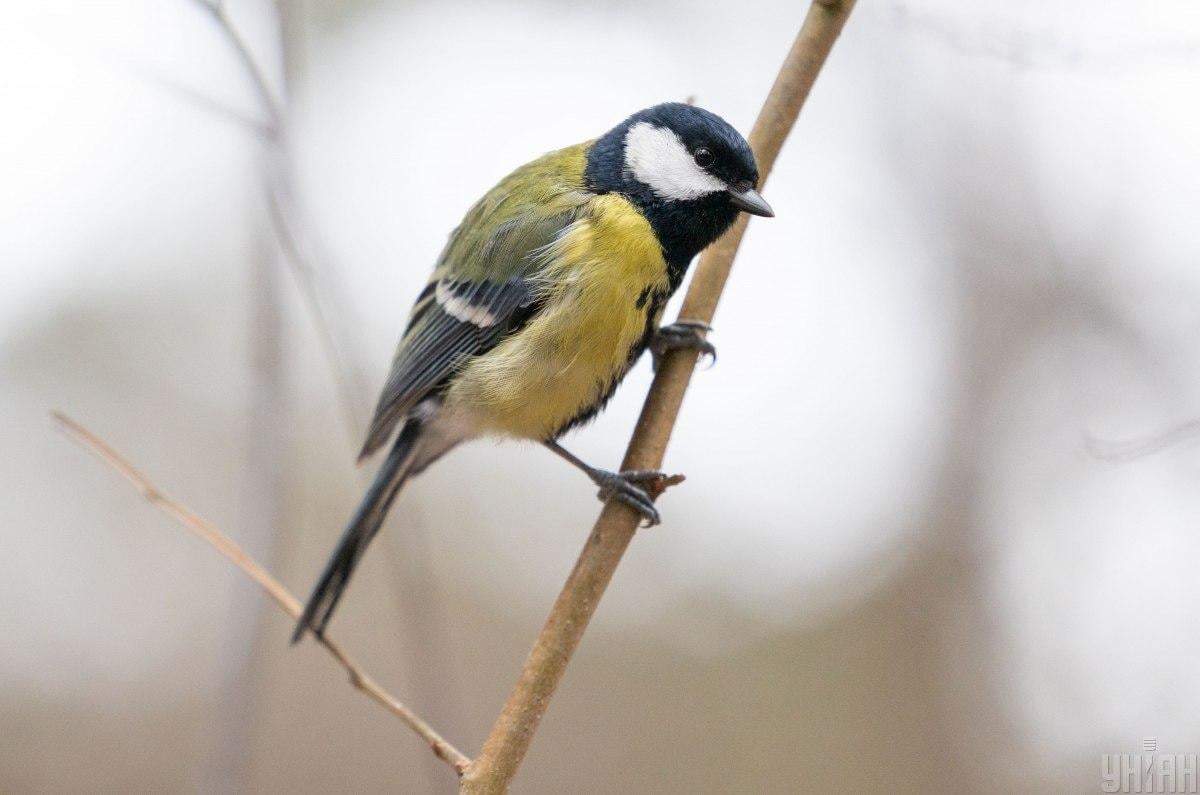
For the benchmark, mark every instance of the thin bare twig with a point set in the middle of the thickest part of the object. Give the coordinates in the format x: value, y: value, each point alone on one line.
x: 274, y: 589
x: 506, y: 746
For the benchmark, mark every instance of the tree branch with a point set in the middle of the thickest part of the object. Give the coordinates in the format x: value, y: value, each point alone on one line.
x: 513, y: 731
x: 258, y: 80
x: 324, y: 305
x: 274, y: 589
x: 1123, y: 451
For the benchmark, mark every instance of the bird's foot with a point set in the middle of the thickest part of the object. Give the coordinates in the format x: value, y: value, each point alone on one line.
x: 682, y: 334
x: 636, y: 488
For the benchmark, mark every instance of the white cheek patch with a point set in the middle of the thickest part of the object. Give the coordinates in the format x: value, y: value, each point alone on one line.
x: 656, y: 157
x: 461, y: 309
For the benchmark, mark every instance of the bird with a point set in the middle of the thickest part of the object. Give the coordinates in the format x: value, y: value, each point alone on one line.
x: 543, y: 298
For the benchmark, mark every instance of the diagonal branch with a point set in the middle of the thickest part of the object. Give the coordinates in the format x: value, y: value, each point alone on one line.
x: 513, y: 731
x: 274, y: 589
x: 323, y: 300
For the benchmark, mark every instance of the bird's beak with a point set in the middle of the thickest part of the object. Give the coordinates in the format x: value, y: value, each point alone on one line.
x: 751, y: 201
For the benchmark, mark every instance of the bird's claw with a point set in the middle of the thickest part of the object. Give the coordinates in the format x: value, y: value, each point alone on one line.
x: 624, y: 487
x: 679, y: 335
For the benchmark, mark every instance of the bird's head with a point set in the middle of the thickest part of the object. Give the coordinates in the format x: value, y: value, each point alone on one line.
x: 678, y: 153
x: 686, y: 169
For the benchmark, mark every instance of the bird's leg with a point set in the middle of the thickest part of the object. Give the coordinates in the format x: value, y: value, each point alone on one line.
x: 623, y: 486
x: 682, y: 334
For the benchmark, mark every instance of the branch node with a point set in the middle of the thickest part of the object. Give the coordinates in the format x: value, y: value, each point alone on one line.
x: 657, y: 486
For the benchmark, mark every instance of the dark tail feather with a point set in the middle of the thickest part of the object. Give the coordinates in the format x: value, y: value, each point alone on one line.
x: 359, y: 532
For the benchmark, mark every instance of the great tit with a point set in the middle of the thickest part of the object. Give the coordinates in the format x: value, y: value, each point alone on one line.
x: 544, y: 297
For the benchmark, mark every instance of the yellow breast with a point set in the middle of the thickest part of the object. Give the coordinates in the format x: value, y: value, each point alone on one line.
x: 595, y: 291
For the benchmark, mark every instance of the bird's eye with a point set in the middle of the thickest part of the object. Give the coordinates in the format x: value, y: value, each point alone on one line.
x: 703, y: 157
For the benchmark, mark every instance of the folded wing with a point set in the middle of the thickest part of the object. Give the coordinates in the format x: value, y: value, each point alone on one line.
x: 483, y: 290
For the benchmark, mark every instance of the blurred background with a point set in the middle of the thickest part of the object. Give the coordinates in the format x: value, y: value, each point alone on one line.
x: 897, y: 563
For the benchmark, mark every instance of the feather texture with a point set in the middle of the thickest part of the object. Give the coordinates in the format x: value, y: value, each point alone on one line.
x: 568, y: 355
x: 482, y: 288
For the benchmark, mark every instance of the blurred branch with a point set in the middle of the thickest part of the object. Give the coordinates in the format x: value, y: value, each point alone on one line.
x: 351, y: 384
x: 204, y: 102
x: 240, y: 661
x: 325, y: 302
x: 323, y: 296
x: 1133, y: 449
x: 258, y: 80
x: 513, y: 731
x: 1028, y: 45
x: 274, y: 589
x: 321, y: 301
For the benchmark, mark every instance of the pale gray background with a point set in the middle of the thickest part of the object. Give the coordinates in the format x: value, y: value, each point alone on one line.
x: 894, y: 566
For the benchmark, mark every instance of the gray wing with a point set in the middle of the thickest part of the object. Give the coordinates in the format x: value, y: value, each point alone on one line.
x: 457, y: 317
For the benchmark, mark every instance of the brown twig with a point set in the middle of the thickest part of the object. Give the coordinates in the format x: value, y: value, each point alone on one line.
x: 513, y: 731
x: 274, y: 589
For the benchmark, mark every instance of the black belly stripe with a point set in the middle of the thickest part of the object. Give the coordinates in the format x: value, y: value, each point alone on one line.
x: 658, y: 298
x: 589, y: 413
x: 643, y: 296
